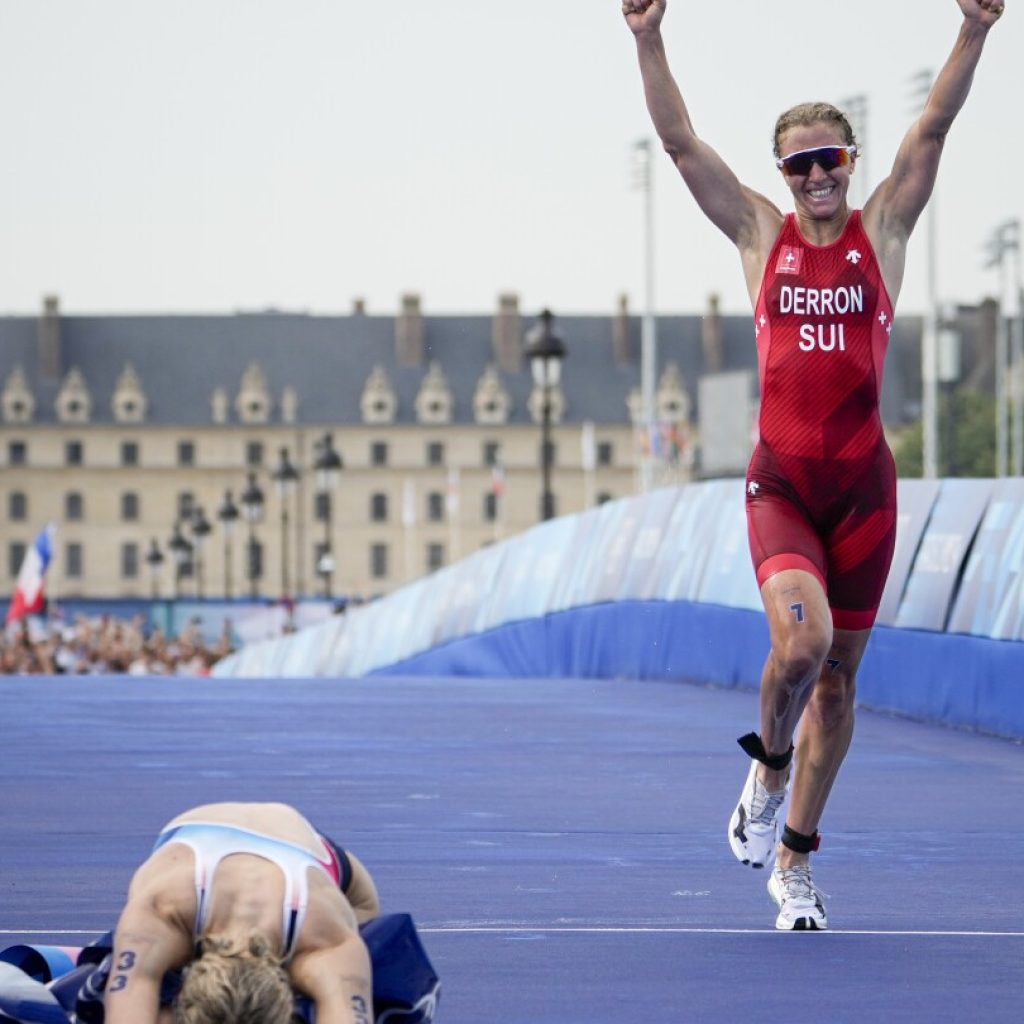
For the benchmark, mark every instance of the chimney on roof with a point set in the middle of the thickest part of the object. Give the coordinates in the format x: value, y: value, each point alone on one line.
x: 711, y: 337
x: 410, y: 332
x: 49, y: 339
x: 507, y: 334
x: 359, y: 307
x: 621, y: 343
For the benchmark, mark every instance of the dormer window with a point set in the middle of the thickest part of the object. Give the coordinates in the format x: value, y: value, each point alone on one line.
x: 379, y: 403
x: 73, y: 403
x: 434, y: 402
x: 253, y: 401
x: 492, y: 404
x: 18, y: 404
x: 129, y: 403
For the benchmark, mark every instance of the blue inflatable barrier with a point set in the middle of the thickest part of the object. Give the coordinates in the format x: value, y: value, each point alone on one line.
x: 58, y: 985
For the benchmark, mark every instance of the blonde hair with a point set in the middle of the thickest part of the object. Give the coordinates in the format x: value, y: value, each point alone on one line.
x: 235, y: 983
x: 804, y: 114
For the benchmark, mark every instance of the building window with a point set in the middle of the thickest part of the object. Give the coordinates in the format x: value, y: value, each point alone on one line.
x: 129, y: 453
x: 73, y: 453
x: 379, y: 453
x: 492, y: 453
x: 435, y: 453
x: 17, y: 506
x: 130, y: 561
x: 129, y: 507
x: 254, y: 453
x: 605, y: 453
x: 186, y: 453
x: 186, y: 505
x: 74, y: 507
x: 490, y: 507
x: 73, y: 561
x: 379, y: 507
x: 435, y: 556
x: 15, y: 556
x: 435, y: 507
x: 379, y: 561
x: 17, y: 453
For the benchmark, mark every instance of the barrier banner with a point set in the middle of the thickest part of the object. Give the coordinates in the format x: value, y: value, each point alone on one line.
x: 988, y: 602
x: 914, y: 501
x: 951, y: 527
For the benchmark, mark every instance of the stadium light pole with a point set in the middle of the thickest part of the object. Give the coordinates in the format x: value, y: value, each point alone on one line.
x: 921, y: 85
x: 643, y: 180
x: 1009, y: 351
x: 856, y: 109
x: 227, y: 516
x: 545, y: 350
x: 328, y: 466
x: 252, y: 508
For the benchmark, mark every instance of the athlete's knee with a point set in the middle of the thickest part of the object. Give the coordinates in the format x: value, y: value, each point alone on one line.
x: 800, y: 655
x: 834, y: 696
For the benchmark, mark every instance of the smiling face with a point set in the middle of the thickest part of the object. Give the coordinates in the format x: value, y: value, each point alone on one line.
x: 819, y: 194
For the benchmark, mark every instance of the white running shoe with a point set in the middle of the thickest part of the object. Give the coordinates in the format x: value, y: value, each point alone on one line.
x: 756, y: 824
x: 801, y: 905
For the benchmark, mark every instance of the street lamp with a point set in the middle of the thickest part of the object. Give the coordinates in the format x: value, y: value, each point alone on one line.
x: 545, y: 350
x: 252, y: 508
x: 227, y: 516
x: 328, y: 466
x: 155, y: 561
x: 200, y: 531
x: 181, y: 551
x: 286, y: 476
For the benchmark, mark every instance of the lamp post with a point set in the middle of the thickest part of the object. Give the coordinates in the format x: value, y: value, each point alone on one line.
x: 200, y: 531
x: 545, y: 350
x: 921, y: 85
x: 1009, y: 350
x: 227, y: 516
x: 328, y: 466
x: 155, y: 561
x: 252, y: 509
x: 181, y: 552
x: 285, y: 477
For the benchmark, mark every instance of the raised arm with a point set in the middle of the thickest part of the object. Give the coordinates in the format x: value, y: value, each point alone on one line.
x: 732, y: 207
x: 894, y: 207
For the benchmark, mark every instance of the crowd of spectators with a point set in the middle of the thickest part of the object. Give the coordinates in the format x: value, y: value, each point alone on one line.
x: 105, y: 645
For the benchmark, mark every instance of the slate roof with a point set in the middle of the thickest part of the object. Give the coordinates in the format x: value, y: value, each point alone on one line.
x: 182, y: 359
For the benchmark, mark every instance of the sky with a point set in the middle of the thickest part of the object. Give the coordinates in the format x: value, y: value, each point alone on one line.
x: 208, y: 156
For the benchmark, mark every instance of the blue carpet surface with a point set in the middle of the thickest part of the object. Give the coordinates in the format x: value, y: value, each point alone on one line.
x: 560, y: 843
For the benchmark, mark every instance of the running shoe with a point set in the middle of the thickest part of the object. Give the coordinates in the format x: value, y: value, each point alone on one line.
x: 801, y: 905
x: 756, y: 824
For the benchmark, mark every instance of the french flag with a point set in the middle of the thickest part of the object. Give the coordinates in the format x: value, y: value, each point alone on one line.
x: 29, y: 597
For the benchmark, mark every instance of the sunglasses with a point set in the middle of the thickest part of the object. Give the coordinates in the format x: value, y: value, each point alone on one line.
x: 828, y: 158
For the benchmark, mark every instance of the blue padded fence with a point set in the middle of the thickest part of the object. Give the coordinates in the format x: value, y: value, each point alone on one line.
x: 660, y: 586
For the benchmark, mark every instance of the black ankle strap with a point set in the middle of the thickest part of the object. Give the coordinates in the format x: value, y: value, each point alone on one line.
x: 798, y: 842
x: 753, y: 747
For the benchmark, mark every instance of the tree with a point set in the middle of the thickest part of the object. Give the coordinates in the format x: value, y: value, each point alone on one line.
x: 967, y: 438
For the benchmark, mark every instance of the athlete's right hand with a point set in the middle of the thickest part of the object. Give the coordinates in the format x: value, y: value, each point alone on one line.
x: 643, y: 15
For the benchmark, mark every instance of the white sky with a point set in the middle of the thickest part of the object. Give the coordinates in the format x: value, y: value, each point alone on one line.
x: 213, y: 155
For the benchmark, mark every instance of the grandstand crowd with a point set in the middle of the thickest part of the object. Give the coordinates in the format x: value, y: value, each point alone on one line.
x: 108, y: 646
